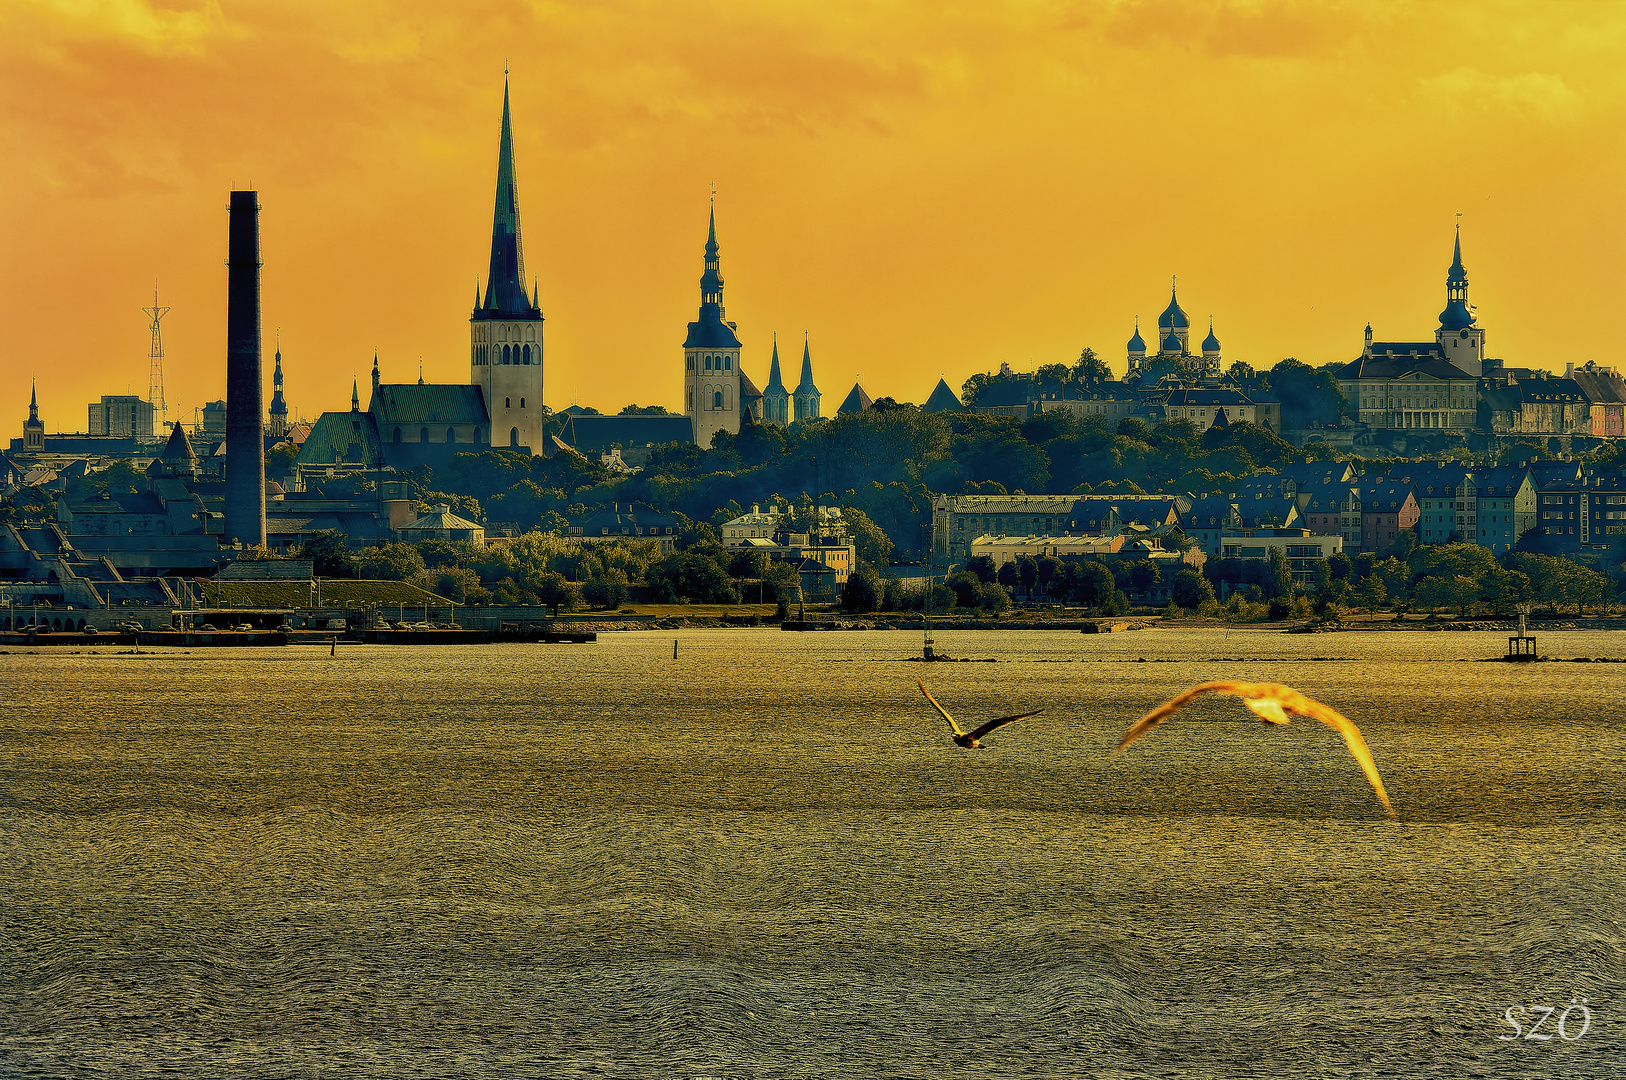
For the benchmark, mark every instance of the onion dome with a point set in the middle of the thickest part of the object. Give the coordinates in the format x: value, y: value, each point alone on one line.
x: 1171, y: 342
x: 1137, y: 344
x: 1211, y: 343
x: 1173, y: 317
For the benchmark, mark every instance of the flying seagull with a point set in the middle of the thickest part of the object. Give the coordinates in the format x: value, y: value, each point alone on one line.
x: 1271, y: 702
x: 968, y: 739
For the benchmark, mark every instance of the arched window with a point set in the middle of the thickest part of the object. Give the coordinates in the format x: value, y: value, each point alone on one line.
x: 508, y: 354
x: 423, y: 434
x: 508, y: 403
x: 708, y: 363
x: 522, y: 403
x: 728, y: 363
x: 717, y: 399
x: 525, y: 354
x: 451, y: 435
x: 397, y: 434
x: 513, y: 436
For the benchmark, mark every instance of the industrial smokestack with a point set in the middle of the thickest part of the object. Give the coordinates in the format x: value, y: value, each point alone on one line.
x: 245, y: 441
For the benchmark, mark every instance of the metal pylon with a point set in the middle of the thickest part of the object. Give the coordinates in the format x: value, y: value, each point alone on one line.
x: 155, y: 365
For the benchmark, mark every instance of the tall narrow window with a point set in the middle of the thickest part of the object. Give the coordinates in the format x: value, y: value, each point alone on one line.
x: 451, y: 435
x: 717, y: 399
x: 513, y: 436
x: 423, y: 434
x: 508, y: 403
x: 522, y: 403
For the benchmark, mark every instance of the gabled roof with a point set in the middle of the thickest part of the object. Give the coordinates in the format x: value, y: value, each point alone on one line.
x: 1326, y: 497
x: 342, y: 437
x: 856, y: 401
x: 1501, y: 481
x: 1601, y: 387
x: 1005, y: 393
x: 748, y: 389
x: 596, y: 434
x: 1384, y: 496
x: 943, y: 399
x: 414, y: 404
x: 1404, y: 359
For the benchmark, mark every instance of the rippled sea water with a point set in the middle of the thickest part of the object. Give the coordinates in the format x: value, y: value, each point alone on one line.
x: 765, y: 859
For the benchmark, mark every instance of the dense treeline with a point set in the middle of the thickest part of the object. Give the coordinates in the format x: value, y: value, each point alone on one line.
x: 883, y: 464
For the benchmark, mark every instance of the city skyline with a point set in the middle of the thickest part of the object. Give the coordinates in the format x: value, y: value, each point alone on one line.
x: 925, y: 196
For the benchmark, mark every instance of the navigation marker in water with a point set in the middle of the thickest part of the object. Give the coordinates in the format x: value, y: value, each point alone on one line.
x: 968, y: 739
x: 1271, y: 702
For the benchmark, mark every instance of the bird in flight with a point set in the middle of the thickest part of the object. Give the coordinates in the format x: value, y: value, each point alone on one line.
x: 1271, y: 702
x: 969, y: 739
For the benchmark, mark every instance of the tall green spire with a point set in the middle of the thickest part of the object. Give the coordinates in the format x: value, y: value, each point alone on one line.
x: 505, y: 281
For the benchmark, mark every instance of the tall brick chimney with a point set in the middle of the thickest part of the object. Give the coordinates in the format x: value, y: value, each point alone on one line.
x: 245, y: 405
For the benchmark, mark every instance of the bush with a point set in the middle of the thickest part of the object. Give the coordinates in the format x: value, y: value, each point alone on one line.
x: 1189, y: 589
x: 993, y: 598
x: 863, y: 591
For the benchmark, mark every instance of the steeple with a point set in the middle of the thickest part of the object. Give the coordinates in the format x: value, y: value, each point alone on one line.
x: 1457, y: 315
x: 711, y: 282
x: 505, y: 281
x: 807, y: 367
x: 807, y: 395
x: 375, y: 371
x: 773, y: 365
x: 355, y: 396
x: 34, y: 400
x: 277, y: 413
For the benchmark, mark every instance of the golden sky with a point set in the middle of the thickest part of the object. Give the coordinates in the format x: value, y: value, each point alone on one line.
x: 926, y: 188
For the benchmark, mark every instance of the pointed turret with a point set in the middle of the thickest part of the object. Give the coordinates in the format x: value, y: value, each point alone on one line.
x: 943, y: 399
x: 807, y: 395
x: 34, y: 401
x: 775, y: 398
x: 376, y: 376
x: 355, y: 395
x: 505, y: 280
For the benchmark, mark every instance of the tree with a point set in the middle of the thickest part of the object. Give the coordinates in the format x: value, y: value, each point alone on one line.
x: 1093, y: 583
x: 967, y: 587
x: 1007, y: 575
x: 457, y: 583
x: 873, y: 545
x: 390, y: 562
x: 1027, y: 571
x: 1190, y: 589
x: 644, y: 410
x: 606, y: 590
x: 863, y: 591
x: 1279, y: 583
x: 983, y: 567
x: 555, y: 592
x: 1310, y: 397
x: 329, y: 553
x: 993, y: 598
x: 1089, y: 369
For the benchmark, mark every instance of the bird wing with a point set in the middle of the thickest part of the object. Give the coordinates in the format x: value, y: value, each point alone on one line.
x: 995, y: 725
x: 1271, y: 702
x: 1356, y: 744
x: 944, y: 712
x: 1164, y: 711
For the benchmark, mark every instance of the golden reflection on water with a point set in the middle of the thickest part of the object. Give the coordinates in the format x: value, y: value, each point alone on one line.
x: 765, y: 858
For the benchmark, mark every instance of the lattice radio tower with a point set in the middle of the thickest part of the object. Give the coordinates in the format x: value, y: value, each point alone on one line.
x: 155, y: 366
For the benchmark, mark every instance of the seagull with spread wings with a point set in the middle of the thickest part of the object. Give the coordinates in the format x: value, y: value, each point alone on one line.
x: 969, y: 739
x: 1271, y: 702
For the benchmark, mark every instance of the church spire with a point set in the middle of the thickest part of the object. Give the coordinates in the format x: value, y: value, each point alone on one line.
x: 711, y: 282
x: 1458, y: 315
x: 773, y: 366
x: 355, y: 395
x: 505, y: 281
x: 33, y: 402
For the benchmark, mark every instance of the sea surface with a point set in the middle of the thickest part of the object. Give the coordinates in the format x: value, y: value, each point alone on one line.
x: 764, y: 858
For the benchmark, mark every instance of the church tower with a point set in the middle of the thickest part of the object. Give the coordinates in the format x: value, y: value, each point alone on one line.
x: 506, y: 327
x: 1462, y: 342
x: 277, y: 415
x: 33, y: 430
x: 807, y: 395
x: 775, y: 398
x: 711, y: 355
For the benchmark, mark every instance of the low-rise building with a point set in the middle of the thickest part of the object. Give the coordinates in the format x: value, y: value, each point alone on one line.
x: 1387, y: 508
x: 1004, y: 549
x: 1300, y: 547
x: 758, y: 524
x: 1506, y: 506
x: 628, y: 521
x: 1540, y: 406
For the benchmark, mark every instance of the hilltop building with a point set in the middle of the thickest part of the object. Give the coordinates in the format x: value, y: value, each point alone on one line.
x: 33, y: 429
x: 1174, y: 343
x: 711, y: 355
